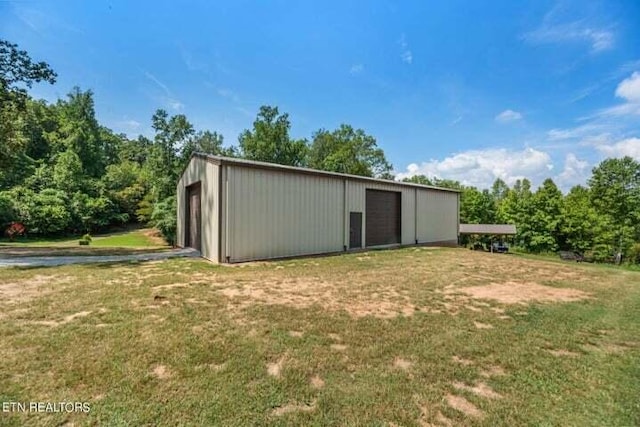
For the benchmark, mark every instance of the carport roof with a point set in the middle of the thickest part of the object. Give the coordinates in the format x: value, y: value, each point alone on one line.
x: 499, y: 229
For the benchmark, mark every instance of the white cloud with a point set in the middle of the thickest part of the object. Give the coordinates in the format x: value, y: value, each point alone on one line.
x: 356, y: 69
x: 629, y: 88
x: 481, y: 167
x: 405, y: 52
x: 508, y: 116
x: 626, y: 147
x: 575, y: 172
x: 600, y: 39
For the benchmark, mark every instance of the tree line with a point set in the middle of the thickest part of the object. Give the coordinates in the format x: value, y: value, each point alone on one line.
x: 600, y: 219
x: 61, y: 171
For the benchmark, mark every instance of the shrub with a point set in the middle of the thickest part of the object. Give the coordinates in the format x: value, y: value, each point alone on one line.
x: 633, y: 256
x: 164, y: 218
x: 85, y: 240
x: 602, y: 253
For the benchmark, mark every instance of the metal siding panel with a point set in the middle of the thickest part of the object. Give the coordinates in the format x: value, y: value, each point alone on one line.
x: 437, y: 216
x: 277, y: 214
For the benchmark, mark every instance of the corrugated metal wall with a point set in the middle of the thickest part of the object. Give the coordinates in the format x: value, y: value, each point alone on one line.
x: 275, y: 214
x: 201, y: 170
x: 437, y: 216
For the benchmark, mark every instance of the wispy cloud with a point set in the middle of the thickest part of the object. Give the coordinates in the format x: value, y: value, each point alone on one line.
x: 167, y: 98
x: 155, y: 80
x: 41, y: 23
x: 508, y: 116
x: 356, y: 69
x: 405, y: 52
x: 455, y: 121
x: 554, y: 29
x: 229, y: 94
x: 578, y: 132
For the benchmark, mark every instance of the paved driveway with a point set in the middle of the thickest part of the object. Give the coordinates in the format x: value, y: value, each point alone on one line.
x: 51, y: 261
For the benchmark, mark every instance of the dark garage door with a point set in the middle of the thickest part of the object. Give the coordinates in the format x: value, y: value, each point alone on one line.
x: 383, y: 218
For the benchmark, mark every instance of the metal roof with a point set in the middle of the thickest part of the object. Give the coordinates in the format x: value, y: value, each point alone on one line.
x: 487, y: 229
x: 273, y: 166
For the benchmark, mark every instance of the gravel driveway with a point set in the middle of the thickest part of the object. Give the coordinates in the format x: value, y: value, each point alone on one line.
x: 52, y: 261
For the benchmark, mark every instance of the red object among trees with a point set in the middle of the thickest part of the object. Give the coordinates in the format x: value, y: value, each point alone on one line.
x: 15, y: 229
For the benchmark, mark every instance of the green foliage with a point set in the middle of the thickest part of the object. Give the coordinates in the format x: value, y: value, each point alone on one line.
x: 164, y: 219
x: 346, y: 150
x: 581, y: 225
x: 269, y: 140
x: 476, y: 207
x: 633, y: 256
x: 7, y: 211
x: 45, y: 212
x: 17, y: 70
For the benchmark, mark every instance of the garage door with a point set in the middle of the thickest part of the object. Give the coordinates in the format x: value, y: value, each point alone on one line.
x: 382, y: 218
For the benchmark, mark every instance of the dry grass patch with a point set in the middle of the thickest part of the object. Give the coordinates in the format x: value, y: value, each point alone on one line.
x: 403, y: 364
x: 161, y: 372
x: 480, y: 325
x: 563, y: 353
x: 316, y: 382
x: 294, y: 407
x: 523, y: 292
x: 461, y: 404
x: 480, y: 389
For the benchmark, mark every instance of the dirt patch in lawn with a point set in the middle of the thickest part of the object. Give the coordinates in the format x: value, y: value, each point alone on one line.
x: 461, y: 404
x: 480, y: 325
x: 403, y: 364
x: 303, y: 293
x: 24, y: 290
x: 317, y: 382
x: 522, y: 292
x: 161, y: 372
x: 563, y: 353
x: 275, y: 369
x: 294, y: 407
x: 480, y: 389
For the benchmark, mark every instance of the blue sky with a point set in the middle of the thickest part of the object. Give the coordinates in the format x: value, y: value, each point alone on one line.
x: 457, y: 89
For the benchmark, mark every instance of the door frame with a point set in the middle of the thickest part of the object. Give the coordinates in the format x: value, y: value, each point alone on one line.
x: 189, y: 189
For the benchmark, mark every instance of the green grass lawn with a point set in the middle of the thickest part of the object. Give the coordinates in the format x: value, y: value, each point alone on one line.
x: 121, y: 243
x: 405, y: 337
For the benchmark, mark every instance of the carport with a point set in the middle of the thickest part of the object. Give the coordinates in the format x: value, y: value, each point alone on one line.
x: 500, y: 231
